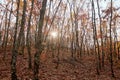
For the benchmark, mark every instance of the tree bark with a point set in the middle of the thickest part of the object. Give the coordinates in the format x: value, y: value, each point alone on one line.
x: 38, y: 43
x: 28, y: 37
x: 111, y: 54
x: 14, y: 51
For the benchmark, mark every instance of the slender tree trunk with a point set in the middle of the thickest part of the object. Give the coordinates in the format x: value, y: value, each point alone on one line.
x: 1, y: 27
x: 118, y: 52
x: 96, y: 44
x: 58, y: 51
x: 82, y: 40
x: 21, y: 36
x: 38, y: 43
x: 72, y: 32
x: 76, y: 31
x: 14, y: 51
x: 28, y: 37
x: 111, y: 56
x: 101, y: 34
x: 7, y: 32
x: 17, y: 41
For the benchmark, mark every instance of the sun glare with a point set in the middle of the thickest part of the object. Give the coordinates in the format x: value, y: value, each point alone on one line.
x: 54, y: 34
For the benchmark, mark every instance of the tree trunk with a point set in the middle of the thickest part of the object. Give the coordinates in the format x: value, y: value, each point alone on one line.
x: 17, y: 41
x: 21, y: 36
x: 28, y: 37
x: 39, y: 41
x: 111, y: 56
x: 96, y: 44
x: 14, y: 51
x: 101, y: 34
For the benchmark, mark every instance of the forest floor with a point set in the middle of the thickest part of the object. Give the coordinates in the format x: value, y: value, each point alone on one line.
x: 69, y: 69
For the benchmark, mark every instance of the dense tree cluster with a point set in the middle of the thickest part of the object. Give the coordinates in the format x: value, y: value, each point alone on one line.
x: 81, y: 27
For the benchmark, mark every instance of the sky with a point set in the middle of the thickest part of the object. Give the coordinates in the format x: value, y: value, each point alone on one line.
x: 1, y: 1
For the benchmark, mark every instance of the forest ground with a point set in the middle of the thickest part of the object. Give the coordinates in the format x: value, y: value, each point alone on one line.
x: 69, y: 69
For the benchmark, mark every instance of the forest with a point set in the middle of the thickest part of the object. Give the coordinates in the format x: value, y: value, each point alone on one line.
x: 59, y: 40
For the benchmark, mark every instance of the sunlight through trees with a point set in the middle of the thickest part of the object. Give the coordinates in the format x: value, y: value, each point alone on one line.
x: 39, y: 37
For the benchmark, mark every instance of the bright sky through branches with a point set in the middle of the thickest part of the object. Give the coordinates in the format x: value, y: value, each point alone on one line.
x: 103, y: 5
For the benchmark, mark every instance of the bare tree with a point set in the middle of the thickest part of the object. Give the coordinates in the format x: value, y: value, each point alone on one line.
x: 101, y: 34
x: 28, y: 37
x: 16, y: 42
x: 38, y: 43
x: 96, y: 43
x: 14, y: 50
x: 111, y: 54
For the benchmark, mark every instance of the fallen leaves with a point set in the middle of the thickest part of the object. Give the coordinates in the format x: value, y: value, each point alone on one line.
x: 69, y: 69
